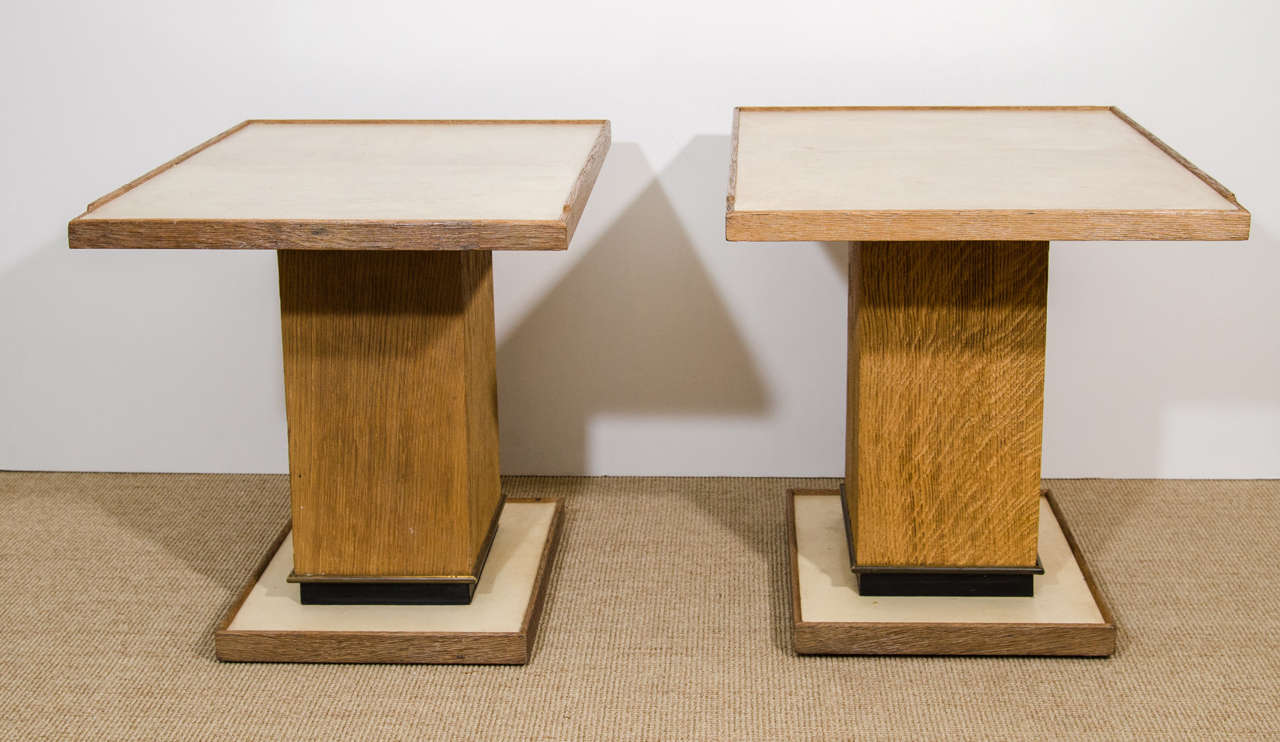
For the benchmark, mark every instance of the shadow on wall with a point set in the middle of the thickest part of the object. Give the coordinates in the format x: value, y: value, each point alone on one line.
x: 635, y: 326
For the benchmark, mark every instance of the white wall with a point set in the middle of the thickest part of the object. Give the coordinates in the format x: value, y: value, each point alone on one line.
x: 652, y: 346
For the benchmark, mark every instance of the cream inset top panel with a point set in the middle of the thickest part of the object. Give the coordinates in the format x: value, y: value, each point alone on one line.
x: 370, y: 171
x: 906, y: 160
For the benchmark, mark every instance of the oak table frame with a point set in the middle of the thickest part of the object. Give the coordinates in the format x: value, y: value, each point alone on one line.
x: 949, y: 212
x: 383, y: 231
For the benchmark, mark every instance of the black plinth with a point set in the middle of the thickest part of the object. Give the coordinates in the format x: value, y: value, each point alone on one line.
x: 457, y: 592
x: 972, y: 582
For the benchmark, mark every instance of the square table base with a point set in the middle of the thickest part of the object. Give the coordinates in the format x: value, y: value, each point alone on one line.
x: 268, y: 623
x: 1066, y: 616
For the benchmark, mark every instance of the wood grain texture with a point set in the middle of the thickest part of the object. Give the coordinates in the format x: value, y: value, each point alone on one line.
x: 1021, y: 224
x: 577, y: 200
x: 947, y: 637
x: 471, y: 648
x: 1046, y: 640
x: 946, y: 380
x: 481, y: 380
x: 330, y: 234
x: 391, y: 400
x: 987, y: 224
x: 92, y: 232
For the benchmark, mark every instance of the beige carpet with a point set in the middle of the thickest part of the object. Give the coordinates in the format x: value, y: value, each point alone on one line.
x: 666, y: 619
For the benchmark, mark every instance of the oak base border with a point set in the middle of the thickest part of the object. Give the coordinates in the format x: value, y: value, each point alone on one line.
x: 948, y: 637
x: 391, y: 647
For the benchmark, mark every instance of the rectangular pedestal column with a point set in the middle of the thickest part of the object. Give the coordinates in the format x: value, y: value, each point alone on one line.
x: 946, y: 379
x: 391, y: 395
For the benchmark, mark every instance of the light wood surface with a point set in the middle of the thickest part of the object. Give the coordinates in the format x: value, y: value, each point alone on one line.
x: 1087, y: 173
x: 391, y: 398
x: 415, y: 185
x: 1066, y: 616
x: 945, y: 403
x: 269, y: 624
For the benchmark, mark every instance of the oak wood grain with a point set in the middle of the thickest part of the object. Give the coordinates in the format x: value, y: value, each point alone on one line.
x: 330, y: 234
x: 1046, y: 640
x: 481, y: 386
x: 946, y: 378
x: 945, y: 637
x: 577, y: 201
x: 391, y: 400
x: 987, y: 224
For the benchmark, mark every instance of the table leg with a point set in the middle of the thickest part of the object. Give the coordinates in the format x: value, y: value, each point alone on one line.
x: 946, y: 390
x: 391, y: 396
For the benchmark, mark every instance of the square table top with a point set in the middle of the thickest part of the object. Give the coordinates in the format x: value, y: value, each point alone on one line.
x: 886, y: 174
x: 352, y: 184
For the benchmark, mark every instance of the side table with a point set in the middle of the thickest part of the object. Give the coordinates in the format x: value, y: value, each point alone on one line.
x: 941, y: 541
x: 401, y: 548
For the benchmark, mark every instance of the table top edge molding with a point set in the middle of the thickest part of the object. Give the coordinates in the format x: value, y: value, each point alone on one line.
x: 419, y: 122
x: 153, y: 172
x: 1051, y: 225
x: 1177, y: 156
x: 311, y: 234
x: 785, y: 109
x: 576, y: 202
x: 87, y: 232
x: 984, y: 224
